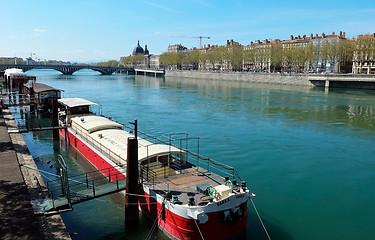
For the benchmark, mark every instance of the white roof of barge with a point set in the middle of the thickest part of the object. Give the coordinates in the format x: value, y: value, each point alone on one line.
x: 14, y: 71
x: 115, y: 139
x: 76, y: 102
x: 94, y: 123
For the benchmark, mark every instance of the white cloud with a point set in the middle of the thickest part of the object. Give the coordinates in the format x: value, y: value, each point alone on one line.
x: 39, y: 30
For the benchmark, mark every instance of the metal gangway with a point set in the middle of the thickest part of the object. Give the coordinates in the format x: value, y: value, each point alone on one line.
x: 66, y: 190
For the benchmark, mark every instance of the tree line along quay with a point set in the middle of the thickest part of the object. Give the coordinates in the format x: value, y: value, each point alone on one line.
x: 316, y: 53
x: 299, y: 54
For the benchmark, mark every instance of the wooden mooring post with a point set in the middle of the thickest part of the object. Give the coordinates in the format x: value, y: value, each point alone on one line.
x: 131, y: 200
x: 55, y: 119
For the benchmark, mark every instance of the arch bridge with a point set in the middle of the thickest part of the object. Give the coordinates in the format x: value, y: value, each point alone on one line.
x: 70, y: 69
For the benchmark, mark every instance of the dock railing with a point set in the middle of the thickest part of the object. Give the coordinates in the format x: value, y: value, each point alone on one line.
x: 67, y: 190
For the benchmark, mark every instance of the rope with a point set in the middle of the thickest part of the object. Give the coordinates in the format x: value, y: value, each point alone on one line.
x: 40, y: 170
x: 260, y: 219
x: 139, y: 195
x: 52, y: 174
x: 154, y: 225
x: 46, y: 176
x: 102, y: 200
x: 152, y: 229
x: 198, y: 228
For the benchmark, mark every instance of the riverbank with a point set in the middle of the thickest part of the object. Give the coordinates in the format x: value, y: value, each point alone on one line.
x: 269, y: 78
x: 358, y: 81
x: 20, y: 184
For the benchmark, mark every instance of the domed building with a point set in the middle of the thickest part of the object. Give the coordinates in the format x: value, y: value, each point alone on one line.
x: 138, y: 49
x: 138, y: 61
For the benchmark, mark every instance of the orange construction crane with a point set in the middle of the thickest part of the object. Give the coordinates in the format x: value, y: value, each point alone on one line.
x: 200, y: 40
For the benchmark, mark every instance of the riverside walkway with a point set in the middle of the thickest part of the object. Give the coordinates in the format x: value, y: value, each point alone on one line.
x: 17, y: 218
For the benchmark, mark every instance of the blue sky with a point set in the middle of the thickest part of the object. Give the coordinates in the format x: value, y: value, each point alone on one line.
x: 83, y: 30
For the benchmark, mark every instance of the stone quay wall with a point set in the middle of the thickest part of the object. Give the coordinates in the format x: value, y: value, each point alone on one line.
x: 269, y: 78
x: 50, y: 226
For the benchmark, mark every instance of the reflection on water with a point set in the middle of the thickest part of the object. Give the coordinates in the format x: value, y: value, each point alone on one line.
x: 302, y: 103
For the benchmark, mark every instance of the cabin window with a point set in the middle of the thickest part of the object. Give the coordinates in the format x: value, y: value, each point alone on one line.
x: 80, y: 109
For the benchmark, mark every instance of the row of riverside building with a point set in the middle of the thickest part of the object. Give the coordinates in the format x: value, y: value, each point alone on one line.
x: 360, y: 51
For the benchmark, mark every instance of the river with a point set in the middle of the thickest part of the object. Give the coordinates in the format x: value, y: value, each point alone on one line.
x: 308, y: 154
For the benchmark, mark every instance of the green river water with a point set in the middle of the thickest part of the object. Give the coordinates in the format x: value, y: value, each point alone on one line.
x: 308, y: 154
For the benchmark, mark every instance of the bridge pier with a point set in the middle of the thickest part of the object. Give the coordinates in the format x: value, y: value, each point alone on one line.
x: 326, y: 85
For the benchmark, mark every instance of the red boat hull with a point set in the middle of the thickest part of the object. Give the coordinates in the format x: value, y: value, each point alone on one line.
x: 176, y: 226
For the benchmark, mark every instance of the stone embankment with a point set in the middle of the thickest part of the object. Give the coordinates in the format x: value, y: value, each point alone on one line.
x: 270, y: 78
x: 21, y: 184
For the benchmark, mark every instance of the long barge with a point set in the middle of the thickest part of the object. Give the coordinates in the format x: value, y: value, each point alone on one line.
x: 185, y: 193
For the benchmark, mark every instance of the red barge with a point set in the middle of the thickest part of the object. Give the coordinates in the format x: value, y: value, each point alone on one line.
x: 190, y: 197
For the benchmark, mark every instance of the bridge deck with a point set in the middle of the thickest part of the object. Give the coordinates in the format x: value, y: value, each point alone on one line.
x: 69, y: 69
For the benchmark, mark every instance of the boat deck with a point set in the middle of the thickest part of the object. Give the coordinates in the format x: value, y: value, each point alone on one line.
x: 184, y: 185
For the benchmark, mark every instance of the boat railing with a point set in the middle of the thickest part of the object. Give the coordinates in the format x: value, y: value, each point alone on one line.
x: 100, y: 147
x: 203, y: 164
x: 182, y: 141
x: 207, y: 165
x: 147, y: 174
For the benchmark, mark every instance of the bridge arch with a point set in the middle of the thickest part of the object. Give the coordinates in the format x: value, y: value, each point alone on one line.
x: 104, y: 71
x: 70, y: 69
x: 50, y: 68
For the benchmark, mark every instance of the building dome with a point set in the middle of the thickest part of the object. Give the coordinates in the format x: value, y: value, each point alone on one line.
x: 138, y: 50
x: 146, y: 51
